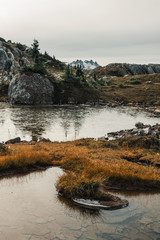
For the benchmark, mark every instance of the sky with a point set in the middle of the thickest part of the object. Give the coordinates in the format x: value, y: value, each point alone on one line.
x: 106, y: 31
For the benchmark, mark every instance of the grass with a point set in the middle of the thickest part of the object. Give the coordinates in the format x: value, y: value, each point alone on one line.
x: 138, y: 89
x: 89, y: 165
x: 22, y: 158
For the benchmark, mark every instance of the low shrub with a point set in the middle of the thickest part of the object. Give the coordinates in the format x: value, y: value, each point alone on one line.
x: 36, y: 68
x: 135, y: 81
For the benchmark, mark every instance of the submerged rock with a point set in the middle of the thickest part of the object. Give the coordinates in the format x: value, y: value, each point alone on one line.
x: 112, y: 204
x: 31, y: 90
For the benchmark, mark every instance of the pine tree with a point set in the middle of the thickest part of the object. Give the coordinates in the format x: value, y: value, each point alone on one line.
x: 95, y: 77
x: 35, y: 51
x: 79, y: 71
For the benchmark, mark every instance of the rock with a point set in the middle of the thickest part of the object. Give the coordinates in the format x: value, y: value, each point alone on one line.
x: 124, y: 69
x: 140, y: 130
x: 3, y: 58
x: 139, y: 125
x: 31, y: 90
x: 134, y: 131
x: 14, y: 140
x: 149, y: 82
x: 44, y: 140
x: 151, y: 70
x: 136, y: 69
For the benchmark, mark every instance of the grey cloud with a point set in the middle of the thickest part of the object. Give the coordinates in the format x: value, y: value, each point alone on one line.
x: 86, y: 28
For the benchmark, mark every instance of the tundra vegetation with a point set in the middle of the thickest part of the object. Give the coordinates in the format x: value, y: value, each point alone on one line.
x: 90, y: 166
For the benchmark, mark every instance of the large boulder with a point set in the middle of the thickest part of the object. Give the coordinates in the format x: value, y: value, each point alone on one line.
x: 31, y: 90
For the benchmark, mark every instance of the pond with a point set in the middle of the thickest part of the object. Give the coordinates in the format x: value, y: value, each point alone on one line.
x: 30, y: 209
x: 63, y: 123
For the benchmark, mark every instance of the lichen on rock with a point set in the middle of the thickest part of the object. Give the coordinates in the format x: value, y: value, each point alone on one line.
x: 31, y: 90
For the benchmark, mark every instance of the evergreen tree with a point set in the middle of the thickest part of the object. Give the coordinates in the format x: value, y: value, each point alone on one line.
x: 47, y: 56
x: 95, y: 77
x: 79, y: 71
x: 68, y: 73
x: 35, y: 51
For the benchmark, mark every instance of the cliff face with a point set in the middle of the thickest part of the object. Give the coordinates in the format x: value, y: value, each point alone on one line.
x: 123, y: 69
x: 11, y: 59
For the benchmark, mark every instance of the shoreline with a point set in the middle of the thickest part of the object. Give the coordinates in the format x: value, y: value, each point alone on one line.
x: 153, y: 110
x: 91, y: 167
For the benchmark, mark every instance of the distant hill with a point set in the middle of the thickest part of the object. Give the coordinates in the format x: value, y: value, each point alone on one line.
x: 87, y: 64
x: 125, y: 69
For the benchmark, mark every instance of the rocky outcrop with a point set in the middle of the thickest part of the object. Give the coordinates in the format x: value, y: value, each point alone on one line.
x: 139, y: 130
x: 13, y: 140
x: 123, y: 69
x: 9, y: 62
x: 31, y: 90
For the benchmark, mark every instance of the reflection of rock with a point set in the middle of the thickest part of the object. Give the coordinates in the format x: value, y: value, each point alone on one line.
x: 31, y: 90
x: 91, y: 213
x: 32, y: 121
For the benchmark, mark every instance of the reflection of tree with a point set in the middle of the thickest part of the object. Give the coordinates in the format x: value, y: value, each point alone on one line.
x: 31, y: 120
x: 35, y: 121
x: 2, y: 119
x: 72, y: 117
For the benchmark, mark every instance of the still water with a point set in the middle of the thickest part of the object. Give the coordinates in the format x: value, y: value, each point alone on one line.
x: 66, y: 123
x: 30, y: 209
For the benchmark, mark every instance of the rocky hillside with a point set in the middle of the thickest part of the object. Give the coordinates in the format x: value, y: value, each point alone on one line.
x: 36, y: 78
x: 14, y: 56
x: 124, y: 69
x: 114, y: 83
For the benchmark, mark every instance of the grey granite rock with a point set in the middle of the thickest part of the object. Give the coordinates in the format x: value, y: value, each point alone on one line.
x: 3, y: 58
x: 31, y: 90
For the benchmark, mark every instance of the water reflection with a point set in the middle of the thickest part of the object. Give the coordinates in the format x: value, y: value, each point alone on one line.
x: 82, y: 212
x: 63, y: 123
x: 20, y: 179
x: 31, y: 209
x: 30, y: 121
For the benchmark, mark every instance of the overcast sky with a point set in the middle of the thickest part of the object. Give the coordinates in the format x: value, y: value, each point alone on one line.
x: 103, y: 30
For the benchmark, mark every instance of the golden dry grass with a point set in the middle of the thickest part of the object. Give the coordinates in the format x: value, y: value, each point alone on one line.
x: 89, y: 164
x: 23, y: 157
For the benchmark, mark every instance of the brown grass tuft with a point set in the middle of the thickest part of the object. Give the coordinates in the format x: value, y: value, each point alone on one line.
x: 89, y: 165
